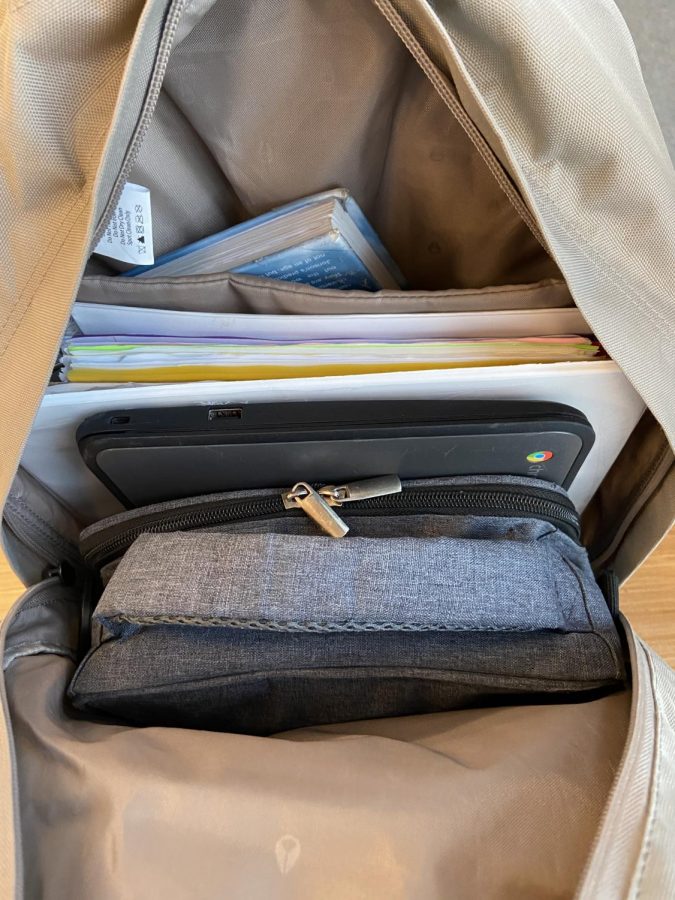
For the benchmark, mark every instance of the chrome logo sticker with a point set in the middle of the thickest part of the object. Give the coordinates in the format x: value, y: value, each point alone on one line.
x: 539, y: 456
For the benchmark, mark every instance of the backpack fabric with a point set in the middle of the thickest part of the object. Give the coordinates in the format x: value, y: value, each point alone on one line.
x: 547, y: 97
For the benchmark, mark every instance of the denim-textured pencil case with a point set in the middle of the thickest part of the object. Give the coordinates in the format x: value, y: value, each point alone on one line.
x: 234, y: 612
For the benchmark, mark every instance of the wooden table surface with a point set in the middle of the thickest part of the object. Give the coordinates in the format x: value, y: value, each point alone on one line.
x: 648, y: 599
x: 10, y: 586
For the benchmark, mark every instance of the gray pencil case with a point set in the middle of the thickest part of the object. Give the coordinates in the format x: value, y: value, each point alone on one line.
x: 262, y: 624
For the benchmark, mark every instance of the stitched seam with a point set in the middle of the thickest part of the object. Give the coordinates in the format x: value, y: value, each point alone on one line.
x: 330, y: 294
x: 21, y: 644
x: 37, y: 603
x: 392, y: 671
x: 460, y: 114
x: 77, y: 205
x: 54, y: 536
x: 33, y: 521
x: 649, y: 831
x: 44, y: 604
x: 36, y: 648
x: 576, y: 575
x: 430, y: 70
x: 109, y: 73
x: 311, y: 625
x: 82, y: 205
x: 574, y: 237
x: 414, y: 295
x: 27, y: 518
x: 53, y: 599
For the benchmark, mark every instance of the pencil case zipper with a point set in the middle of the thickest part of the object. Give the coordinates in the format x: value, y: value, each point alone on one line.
x: 509, y: 501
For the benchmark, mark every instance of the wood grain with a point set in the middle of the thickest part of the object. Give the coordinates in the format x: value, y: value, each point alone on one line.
x: 648, y: 599
x: 10, y: 586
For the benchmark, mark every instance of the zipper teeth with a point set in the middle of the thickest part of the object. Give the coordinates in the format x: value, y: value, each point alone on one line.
x: 173, y: 17
x: 218, y: 515
x: 412, y: 501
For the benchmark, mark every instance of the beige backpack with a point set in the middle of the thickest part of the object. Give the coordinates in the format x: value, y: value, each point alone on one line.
x: 548, y: 168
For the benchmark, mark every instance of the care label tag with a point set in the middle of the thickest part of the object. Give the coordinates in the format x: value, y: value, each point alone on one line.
x: 128, y: 235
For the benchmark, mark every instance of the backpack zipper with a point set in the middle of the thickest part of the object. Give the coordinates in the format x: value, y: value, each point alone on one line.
x: 512, y: 501
x: 173, y: 17
x: 319, y: 504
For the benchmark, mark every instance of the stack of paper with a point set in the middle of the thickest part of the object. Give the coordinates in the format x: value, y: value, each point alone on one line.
x: 102, y: 318
x: 156, y: 359
x: 133, y: 344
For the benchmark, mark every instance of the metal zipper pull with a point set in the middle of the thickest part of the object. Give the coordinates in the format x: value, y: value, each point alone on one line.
x: 336, y: 495
x: 303, y: 496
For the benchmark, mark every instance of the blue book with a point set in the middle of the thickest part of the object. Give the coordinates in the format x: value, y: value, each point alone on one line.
x: 324, y: 240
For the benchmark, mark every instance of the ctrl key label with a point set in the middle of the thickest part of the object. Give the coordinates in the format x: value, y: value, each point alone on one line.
x: 128, y: 234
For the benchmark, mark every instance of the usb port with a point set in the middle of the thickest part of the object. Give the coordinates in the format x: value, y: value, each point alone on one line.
x: 225, y: 413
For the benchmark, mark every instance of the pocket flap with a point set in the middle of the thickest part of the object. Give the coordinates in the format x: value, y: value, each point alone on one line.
x: 315, y: 583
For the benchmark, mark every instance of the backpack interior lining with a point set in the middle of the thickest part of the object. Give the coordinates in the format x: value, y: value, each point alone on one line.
x: 267, y: 102
x: 502, y: 778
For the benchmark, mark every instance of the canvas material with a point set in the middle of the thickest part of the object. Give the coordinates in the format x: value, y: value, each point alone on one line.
x: 379, y: 808
x: 560, y: 119
x: 261, y: 632
x: 245, y: 294
x: 655, y: 872
x: 105, y: 771
x: 631, y: 845
x: 61, y: 77
x: 373, y: 123
x: 427, y: 572
x: 632, y: 854
x: 37, y: 293
x: 260, y: 682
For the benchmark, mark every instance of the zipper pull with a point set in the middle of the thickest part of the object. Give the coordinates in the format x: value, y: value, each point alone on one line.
x: 303, y: 496
x: 361, y: 490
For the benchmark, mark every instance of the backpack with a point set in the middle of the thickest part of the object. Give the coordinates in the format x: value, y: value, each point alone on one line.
x: 538, y: 160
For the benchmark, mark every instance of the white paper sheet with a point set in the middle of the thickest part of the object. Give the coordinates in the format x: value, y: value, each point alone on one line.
x: 599, y: 389
x: 100, y: 319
